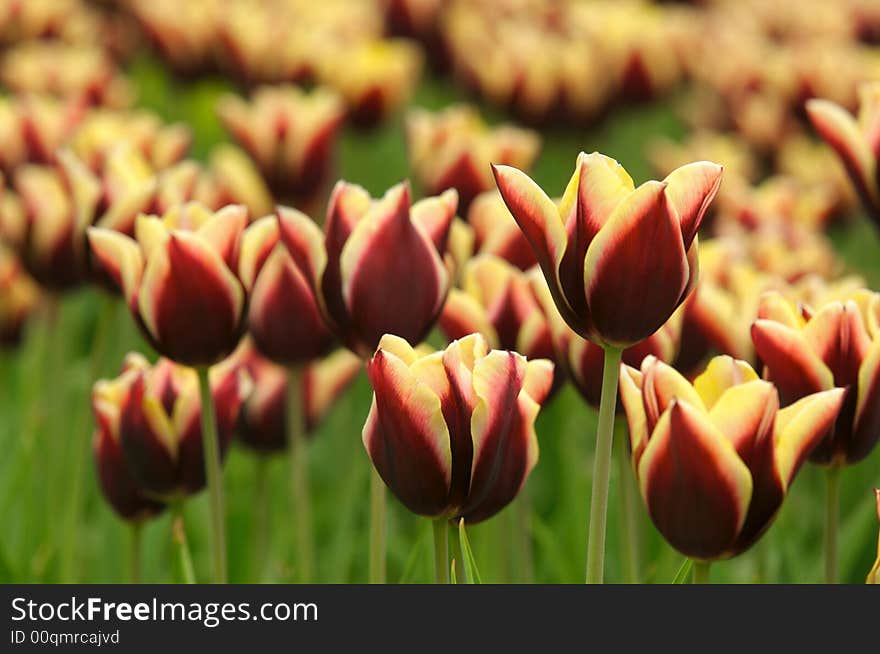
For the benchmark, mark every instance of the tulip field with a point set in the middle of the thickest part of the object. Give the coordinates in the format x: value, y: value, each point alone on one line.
x: 428, y: 291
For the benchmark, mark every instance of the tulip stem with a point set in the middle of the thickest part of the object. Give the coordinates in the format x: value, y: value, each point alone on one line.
x: 701, y: 572
x: 134, y: 560
x: 214, y: 476
x: 261, y: 517
x: 441, y: 551
x: 525, y: 565
x: 832, y: 516
x: 602, y: 466
x: 299, y: 475
x: 377, y: 528
x: 178, y: 535
x: 461, y: 573
x: 629, y: 524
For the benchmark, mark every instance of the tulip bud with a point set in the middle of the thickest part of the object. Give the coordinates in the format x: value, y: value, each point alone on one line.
x: 454, y: 149
x: 714, y: 459
x: 159, y: 421
x: 375, y: 77
x: 290, y: 134
x: 618, y: 259
x: 496, y: 232
x: 380, y: 268
x: 33, y: 127
x: 19, y: 297
x: 855, y: 140
x: 178, y: 281
x: 452, y: 433
x: 188, y: 50
x: 496, y: 300
x: 283, y: 314
x: 262, y: 422
x: 807, y: 349
x: 116, y: 479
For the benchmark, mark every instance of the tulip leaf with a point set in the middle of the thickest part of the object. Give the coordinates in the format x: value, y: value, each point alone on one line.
x: 469, y: 565
x: 452, y: 576
x: 683, y: 573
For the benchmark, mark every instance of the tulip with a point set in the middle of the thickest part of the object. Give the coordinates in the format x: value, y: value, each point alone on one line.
x: 79, y: 72
x: 262, y: 419
x: 46, y: 220
x: 380, y: 268
x: 290, y: 134
x: 453, y: 149
x: 19, y: 297
x: 178, y: 281
x: 375, y: 77
x: 714, y: 460
x: 452, y: 433
x: 34, y: 127
x: 874, y: 574
x: 496, y: 300
x: 805, y: 350
x: 618, y: 261
x: 118, y: 483
x: 856, y: 140
x: 183, y: 33
x: 496, y: 232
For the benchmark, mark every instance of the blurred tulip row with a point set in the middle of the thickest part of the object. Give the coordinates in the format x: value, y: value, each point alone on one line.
x: 720, y: 363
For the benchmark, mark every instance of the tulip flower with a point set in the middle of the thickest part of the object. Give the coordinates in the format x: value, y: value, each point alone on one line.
x: 46, y: 219
x: 121, y: 489
x: 452, y: 433
x: 454, y: 147
x: 262, y: 422
x: 375, y: 77
x: 496, y: 232
x: 379, y: 266
x: 290, y: 134
x: 177, y: 277
x: 496, y: 300
x: 806, y: 350
x: 856, y: 140
x: 618, y: 261
x: 19, y: 297
x: 81, y: 72
x: 874, y: 574
x: 183, y: 33
x: 715, y: 459
x: 34, y: 127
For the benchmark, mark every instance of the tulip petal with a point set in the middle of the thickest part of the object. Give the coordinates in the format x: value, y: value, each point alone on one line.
x: 866, y: 426
x: 696, y: 487
x: 774, y: 306
x: 324, y: 382
x: 304, y: 241
x: 223, y: 229
x: 435, y: 215
x: 382, y: 263
x: 722, y: 373
x: 119, y: 257
x: 631, y: 398
x: 257, y: 243
x: 837, y: 335
x: 690, y: 190
x: 462, y: 315
x: 406, y: 436
x: 636, y: 268
x: 790, y: 363
x: 661, y: 385
x: 744, y: 414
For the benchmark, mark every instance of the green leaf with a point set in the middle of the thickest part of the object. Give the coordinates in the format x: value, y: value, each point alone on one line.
x: 470, y: 572
x: 452, y: 576
x: 683, y: 573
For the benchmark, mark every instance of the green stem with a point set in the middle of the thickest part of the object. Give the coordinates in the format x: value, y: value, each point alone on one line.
x: 134, y: 560
x: 261, y: 517
x: 629, y: 524
x: 81, y: 439
x: 377, y: 528
x: 701, y: 572
x: 214, y: 476
x: 299, y: 476
x: 178, y: 536
x: 522, y: 509
x: 441, y: 551
x: 832, y: 517
x: 602, y: 467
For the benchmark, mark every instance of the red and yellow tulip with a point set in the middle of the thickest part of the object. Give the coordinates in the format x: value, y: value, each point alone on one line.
x: 715, y: 459
x: 19, y: 298
x: 618, y: 259
x: 452, y: 433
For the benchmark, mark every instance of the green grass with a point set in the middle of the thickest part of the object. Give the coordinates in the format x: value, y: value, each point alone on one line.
x: 45, y: 428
